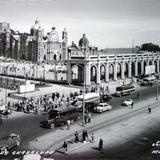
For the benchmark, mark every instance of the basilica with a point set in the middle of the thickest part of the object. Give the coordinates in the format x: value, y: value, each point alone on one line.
x: 34, y: 46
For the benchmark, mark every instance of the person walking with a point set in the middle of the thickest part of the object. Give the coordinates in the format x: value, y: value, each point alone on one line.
x: 83, y: 136
x: 149, y: 109
x: 92, y: 138
x: 100, y: 144
x: 76, y: 137
x: 89, y: 117
x: 85, y: 119
x: 65, y: 147
x: 138, y: 95
x: 132, y: 105
x: 0, y: 119
x: 68, y: 124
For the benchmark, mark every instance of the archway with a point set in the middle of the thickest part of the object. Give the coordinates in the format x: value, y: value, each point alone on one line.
x: 133, y: 69
x: 54, y: 57
x: 111, y: 71
x: 150, y: 62
x: 119, y: 71
x: 126, y: 70
x: 93, y: 74
x: 102, y: 72
x: 77, y: 74
x: 60, y: 57
x: 144, y: 64
x: 139, y: 68
x: 44, y: 57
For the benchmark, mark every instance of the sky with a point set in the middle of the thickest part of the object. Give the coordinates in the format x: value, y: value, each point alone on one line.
x: 106, y: 23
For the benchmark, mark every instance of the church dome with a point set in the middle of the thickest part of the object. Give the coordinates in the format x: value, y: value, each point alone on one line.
x: 53, y: 35
x: 83, y: 42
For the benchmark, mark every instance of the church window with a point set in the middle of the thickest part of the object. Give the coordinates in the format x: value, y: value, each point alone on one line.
x: 54, y: 57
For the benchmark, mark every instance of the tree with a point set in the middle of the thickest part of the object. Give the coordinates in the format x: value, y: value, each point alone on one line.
x: 150, y: 47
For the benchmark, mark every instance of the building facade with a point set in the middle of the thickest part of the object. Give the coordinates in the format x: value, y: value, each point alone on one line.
x: 87, y: 64
x: 34, y: 46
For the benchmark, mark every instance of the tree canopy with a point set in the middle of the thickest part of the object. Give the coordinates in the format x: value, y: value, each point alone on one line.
x: 150, y: 47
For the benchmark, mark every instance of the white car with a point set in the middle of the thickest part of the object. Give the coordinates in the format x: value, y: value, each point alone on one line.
x: 102, y: 107
x: 127, y: 102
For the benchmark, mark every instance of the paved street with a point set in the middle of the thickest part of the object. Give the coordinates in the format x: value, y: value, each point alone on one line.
x: 31, y: 131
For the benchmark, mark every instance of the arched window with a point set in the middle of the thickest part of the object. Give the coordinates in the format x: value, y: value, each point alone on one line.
x: 54, y: 57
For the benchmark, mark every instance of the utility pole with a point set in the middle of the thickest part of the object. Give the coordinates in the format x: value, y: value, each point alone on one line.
x: 83, y: 113
x: 157, y: 90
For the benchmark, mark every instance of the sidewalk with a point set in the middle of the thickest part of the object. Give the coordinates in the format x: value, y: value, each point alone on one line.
x: 112, y: 135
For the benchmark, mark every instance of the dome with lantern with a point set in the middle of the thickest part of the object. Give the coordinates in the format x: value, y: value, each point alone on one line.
x: 53, y: 35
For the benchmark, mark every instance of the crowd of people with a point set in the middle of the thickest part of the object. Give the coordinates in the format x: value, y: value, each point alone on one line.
x: 47, y: 102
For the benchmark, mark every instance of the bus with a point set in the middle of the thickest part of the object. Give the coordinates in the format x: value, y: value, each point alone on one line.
x: 59, y: 116
x: 149, y: 81
x: 124, y: 90
x: 91, y: 100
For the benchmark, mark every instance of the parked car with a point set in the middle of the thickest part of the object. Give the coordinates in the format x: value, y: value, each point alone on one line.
x: 105, y: 97
x: 102, y: 107
x: 8, y: 142
x: 127, y: 102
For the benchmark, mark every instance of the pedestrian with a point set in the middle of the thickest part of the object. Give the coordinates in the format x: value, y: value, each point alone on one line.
x: 89, y: 117
x: 132, y: 105
x: 0, y: 119
x: 85, y: 119
x: 86, y: 135
x: 76, y: 137
x: 149, y: 110
x: 68, y: 124
x: 83, y: 136
x: 92, y: 138
x: 65, y: 147
x: 138, y: 95
x: 100, y: 144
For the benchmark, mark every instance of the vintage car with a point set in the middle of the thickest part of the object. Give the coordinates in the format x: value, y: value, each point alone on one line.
x: 102, y: 107
x: 127, y: 102
x: 8, y: 142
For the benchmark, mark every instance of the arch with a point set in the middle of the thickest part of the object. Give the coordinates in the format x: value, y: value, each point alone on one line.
x: 60, y: 57
x: 119, y: 70
x: 133, y: 69
x: 102, y: 72
x: 55, y: 57
x: 111, y: 71
x: 155, y: 63
x: 139, y: 68
x: 144, y: 68
x: 44, y: 57
x: 150, y: 62
x: 77, y: 75
x: 126, y: 70
x: 93, y: 75
x: 74, y: 72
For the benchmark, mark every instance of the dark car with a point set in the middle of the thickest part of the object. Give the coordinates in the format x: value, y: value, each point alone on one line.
x: 105, y: 98
x: 8, y: 142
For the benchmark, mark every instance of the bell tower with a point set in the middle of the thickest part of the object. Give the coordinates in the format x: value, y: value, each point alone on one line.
x: 64, y: 44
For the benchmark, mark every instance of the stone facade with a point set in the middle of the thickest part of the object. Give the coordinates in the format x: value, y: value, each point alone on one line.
x: 33, y: 46
x: 87, y: 64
